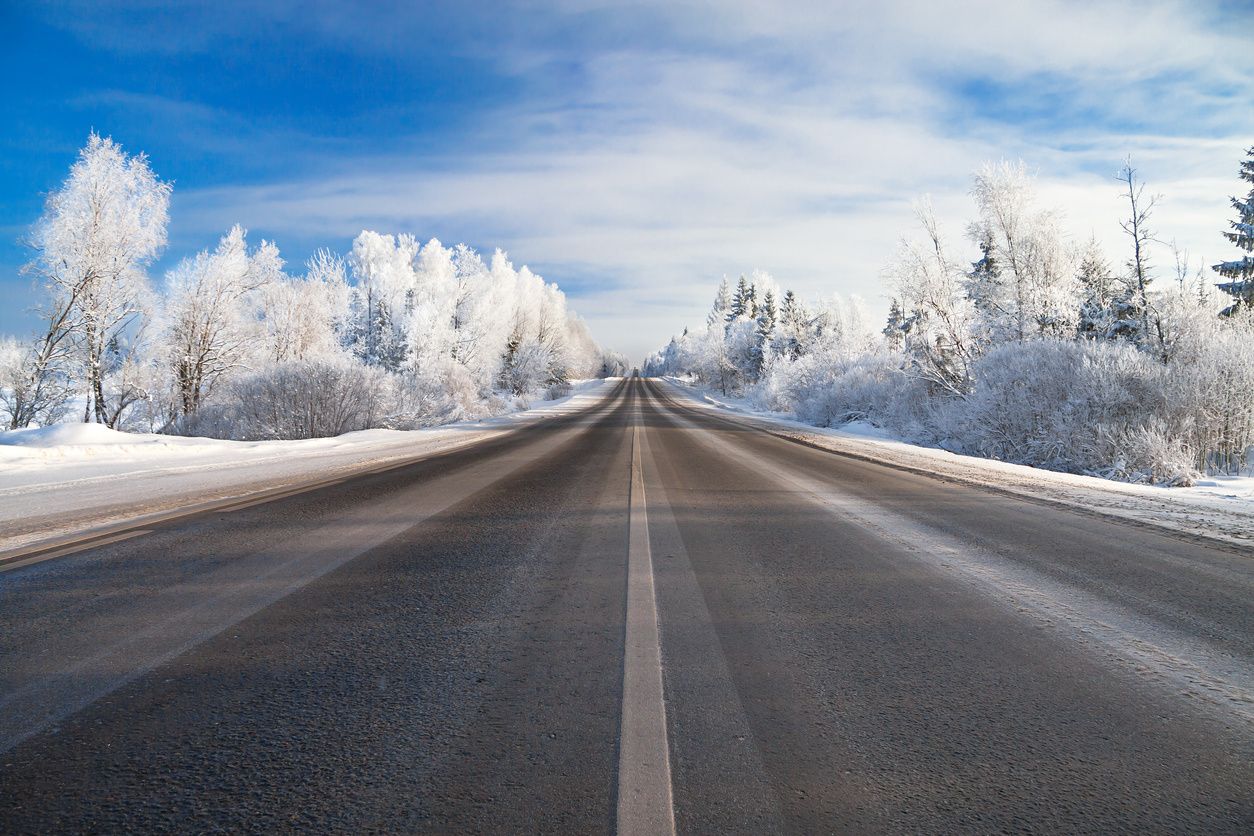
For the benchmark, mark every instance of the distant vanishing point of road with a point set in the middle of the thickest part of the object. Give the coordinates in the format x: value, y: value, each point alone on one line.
x: 642, y: 618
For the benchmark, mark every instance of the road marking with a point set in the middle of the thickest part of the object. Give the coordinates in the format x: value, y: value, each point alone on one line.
x: 645, y: 805
x: 19, y: 561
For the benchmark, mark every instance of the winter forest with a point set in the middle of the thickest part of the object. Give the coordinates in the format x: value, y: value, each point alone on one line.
x: 229, y: 344
x: 1024, y: 346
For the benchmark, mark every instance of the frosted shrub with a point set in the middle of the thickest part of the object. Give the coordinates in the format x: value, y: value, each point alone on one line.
x: 304, y: 399
x: 439, y: 395
x: 1023, y: 408
x: 1085, y: 407
x: 1151, y: 452
x: 828, y: 389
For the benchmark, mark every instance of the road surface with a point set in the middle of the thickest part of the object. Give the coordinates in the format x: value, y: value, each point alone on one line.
x: 642, y: 617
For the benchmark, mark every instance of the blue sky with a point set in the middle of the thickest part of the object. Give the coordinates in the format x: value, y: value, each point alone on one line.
x: 632, y: 153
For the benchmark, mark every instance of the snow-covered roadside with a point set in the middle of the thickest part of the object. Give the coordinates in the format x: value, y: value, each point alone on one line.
x: 70, y: 478
x: 1218, y: 508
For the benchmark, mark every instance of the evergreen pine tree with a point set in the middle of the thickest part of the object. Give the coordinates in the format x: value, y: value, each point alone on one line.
x: 390, y: 345
x: 1240, y: 273
x: 763, y: 332
x: 739, y: 302
x: 722, y: 305
x: 986, y: 290
x: 1109, y: 310
x: 790, y: 323
x: 895, y: 329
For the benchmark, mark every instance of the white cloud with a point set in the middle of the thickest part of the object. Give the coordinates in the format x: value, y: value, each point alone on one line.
x: 665, y: 146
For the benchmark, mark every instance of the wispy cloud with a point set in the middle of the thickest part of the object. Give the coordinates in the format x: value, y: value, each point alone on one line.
x: 650, y: 149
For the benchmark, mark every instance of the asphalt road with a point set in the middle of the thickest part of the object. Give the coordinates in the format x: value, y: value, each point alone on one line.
x: 444, y: 647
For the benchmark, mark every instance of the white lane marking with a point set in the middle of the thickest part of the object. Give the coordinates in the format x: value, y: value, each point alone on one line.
x: 645, y: 805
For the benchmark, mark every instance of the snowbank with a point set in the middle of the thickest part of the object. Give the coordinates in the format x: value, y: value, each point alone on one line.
x: 1217, y: 508
x: 68, y: 478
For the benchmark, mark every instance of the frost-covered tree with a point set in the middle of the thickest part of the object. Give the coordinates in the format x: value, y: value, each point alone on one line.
x: 791, y: 341
x: 382, y: 268
x: 35, y: 386
x: 896, y: 326
x: 302, y: 318
x: 740, y: 301
x: 1109, y: 310
x: 1240, y: 272
x: 214, y: 314
x: 929, y: 284
x: 721, y: 309
x: 98, y: 233
x: 477, y: 317
x: 985, y: 284
x: 131, y: 377
x: 1137, y: 227
x: 1024, y: 285
x: 764, y: 332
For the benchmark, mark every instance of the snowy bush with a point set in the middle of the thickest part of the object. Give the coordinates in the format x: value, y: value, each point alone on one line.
x: 300, y: 399
x: 1077, y: 406
x: 557, y: 391
x: 429, y: 397
x: 1159, y: 413
x: 829, y: 391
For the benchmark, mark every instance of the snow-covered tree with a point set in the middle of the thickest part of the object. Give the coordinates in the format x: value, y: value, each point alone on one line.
x: 384, y: 284
x: 764, y: 332
x: 302, y: 318
x: 1109, y: 310
x: 791, y: 328
x: 721, y: 309
x: 896, y: 326
x: 214, y: 315
x: 477, y: 317
x: 1137, y: 227
x: 929, y: 284
x: 740, y: 302
x: 1024, y: 285
x: 98, y: 233
x: 35, y: 386
x: 1240, y: 272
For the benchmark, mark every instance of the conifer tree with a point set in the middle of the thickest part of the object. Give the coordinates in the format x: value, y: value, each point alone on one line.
x: 1109, y: 310
x: 722, y: 305
x: 1240, y: 272
x: 740, y: 301
x: 763, y: 332
x: 791, y: 321
x: 895, y: 329
x: 985, y: 286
